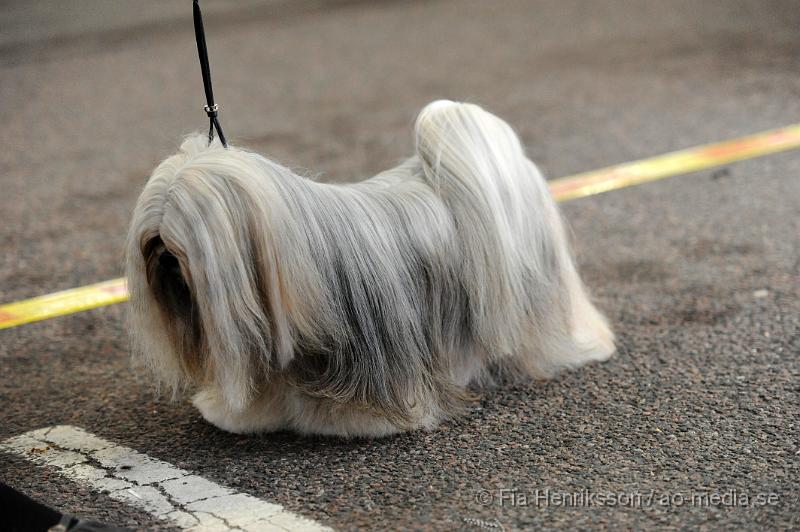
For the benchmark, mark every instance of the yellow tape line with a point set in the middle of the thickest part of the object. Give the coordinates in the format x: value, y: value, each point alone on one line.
x: 61, y: 303
x: 674, y: 163
x: 563, y: 189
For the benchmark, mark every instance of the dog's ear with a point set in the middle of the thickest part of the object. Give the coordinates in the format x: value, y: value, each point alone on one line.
x: 168, y: 281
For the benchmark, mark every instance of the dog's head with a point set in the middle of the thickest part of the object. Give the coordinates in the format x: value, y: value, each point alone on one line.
x: 206, y: 303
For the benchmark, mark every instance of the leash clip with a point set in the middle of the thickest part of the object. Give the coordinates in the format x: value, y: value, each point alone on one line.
x: 211, y: 110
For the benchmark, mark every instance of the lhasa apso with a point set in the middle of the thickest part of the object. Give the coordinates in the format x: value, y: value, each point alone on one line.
x: 363, y: 309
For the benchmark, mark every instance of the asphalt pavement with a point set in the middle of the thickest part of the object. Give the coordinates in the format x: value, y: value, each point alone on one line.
x: 699, y: 274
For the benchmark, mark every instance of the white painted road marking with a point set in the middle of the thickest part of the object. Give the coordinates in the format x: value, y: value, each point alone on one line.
x: 161, y: 489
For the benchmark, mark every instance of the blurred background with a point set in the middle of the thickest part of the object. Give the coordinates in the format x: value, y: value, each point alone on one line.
x: 96, y: 92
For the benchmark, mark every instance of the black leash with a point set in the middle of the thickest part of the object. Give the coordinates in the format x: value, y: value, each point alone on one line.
x: 211, y: 108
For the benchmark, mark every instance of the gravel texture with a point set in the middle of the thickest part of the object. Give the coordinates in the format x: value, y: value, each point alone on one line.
x: 699, y: 274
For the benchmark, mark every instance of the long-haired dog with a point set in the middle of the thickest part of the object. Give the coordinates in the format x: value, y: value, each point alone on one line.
x: 363, y: 309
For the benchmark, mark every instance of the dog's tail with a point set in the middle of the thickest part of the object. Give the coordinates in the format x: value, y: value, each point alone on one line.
x: 195, y: 294
x: 524, y: 292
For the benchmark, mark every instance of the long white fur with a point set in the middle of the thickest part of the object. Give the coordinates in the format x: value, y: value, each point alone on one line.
x: 363, y: 309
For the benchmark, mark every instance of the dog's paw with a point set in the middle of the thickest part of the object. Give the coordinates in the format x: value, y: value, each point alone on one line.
x: 257, y: 417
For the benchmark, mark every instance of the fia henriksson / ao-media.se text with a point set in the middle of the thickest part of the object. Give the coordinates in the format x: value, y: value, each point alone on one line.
x: 546, y: 497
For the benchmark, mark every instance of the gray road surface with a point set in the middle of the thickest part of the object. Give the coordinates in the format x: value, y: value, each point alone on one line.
x: 699, y: 274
